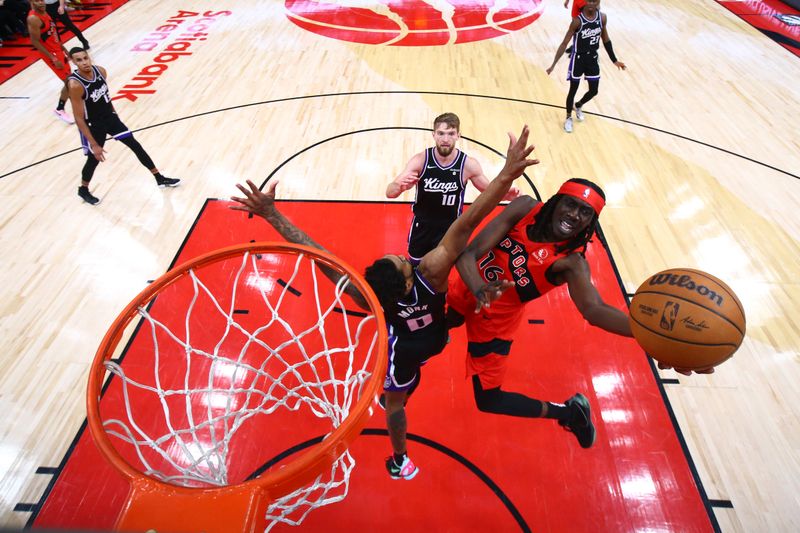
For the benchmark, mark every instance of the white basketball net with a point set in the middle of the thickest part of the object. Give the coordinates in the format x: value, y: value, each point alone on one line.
x: 190, y: 446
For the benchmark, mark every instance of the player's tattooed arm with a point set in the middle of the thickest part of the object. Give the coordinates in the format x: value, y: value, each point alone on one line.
x: 263, y: 204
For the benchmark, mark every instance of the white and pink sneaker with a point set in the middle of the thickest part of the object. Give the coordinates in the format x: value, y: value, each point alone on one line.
x: 406, y: 470
x: 63, y: 115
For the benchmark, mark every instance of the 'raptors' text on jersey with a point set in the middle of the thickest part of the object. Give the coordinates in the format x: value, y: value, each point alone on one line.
x: 515, y: 258
x: 525, y: 262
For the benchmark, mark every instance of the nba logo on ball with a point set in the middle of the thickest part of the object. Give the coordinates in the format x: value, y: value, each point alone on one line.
x: 687, y: 319
x: 413, y: 22
x: 668, y: 316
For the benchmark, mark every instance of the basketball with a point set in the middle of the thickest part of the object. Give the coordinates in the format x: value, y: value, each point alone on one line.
x: 687, y: 319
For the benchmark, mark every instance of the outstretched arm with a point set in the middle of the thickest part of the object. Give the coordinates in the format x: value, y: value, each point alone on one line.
x: 263, y: 205
x: 436, y: 264
x: 584, y: 294
x: 573, y: 27
x: 574, y: 269
x: 408, y: 178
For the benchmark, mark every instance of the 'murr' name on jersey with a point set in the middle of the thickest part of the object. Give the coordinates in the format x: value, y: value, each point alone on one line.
x: 408, y: 311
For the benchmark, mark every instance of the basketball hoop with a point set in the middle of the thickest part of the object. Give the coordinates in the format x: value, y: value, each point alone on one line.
x: 245, y: 380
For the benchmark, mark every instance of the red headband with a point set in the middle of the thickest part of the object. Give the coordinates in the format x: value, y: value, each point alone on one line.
x: 585, y: 193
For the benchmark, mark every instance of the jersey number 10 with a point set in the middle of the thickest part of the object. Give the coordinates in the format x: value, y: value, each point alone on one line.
x: 449, y: 199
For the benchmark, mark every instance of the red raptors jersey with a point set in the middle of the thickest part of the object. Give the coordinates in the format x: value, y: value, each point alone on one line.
x: 48, y: 34
x: 515, y: 258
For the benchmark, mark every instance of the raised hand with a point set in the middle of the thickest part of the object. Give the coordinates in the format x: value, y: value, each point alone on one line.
x: 408, y: 180
x: 255, y: 201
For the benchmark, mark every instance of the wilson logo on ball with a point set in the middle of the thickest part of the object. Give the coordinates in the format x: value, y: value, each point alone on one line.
x: 673, y: 320
x: 687, y: 283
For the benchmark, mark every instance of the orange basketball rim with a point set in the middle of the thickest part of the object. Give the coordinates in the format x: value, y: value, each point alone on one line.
x: 156, y: 505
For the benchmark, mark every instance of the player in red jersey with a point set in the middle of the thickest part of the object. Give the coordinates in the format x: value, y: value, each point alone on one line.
x: 537, y: 247
x: 44, y: 38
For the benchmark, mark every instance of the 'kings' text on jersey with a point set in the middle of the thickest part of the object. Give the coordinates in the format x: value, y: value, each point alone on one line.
x: 587, y: 38
x: 96, y: 100
x: 440, y: 190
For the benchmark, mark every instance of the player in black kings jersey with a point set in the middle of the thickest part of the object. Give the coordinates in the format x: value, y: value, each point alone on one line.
x: 412, y: 297
x: 96, y: 117
x: 585, y: 32
x: 440, y: 174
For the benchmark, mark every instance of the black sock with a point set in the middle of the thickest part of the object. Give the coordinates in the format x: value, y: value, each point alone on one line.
x: 398, y: 458
x: 559, y: 411
x: 61, y: 105
x: 158, y: 176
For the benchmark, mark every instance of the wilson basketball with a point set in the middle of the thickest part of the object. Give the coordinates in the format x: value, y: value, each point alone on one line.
x: 687, y: 318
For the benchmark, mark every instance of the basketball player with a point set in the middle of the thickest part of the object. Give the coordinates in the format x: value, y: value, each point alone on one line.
x: 577, y: 5
x: 44, y: 38
x: 537, y: 247
x: 96, y: 118
x: 412, y: 297
x: 440, y: 174
x: 585, y: 32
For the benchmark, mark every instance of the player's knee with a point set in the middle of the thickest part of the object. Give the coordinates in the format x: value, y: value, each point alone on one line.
x: 486, y: 400
x: 395, y: 402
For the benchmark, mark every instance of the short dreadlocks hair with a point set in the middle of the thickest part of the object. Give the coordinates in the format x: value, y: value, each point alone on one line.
x: 545, y: 216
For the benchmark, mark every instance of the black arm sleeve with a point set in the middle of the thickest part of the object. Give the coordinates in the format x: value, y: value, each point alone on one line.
x: 610, y: 50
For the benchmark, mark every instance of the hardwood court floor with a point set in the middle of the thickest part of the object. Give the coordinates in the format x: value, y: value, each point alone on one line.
x: 696, y: 146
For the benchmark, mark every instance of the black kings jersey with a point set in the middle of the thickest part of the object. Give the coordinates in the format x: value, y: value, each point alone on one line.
x: 587, y: 39
x: 96, y: 100
x: 440, y: 190
x: 420, y: 315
